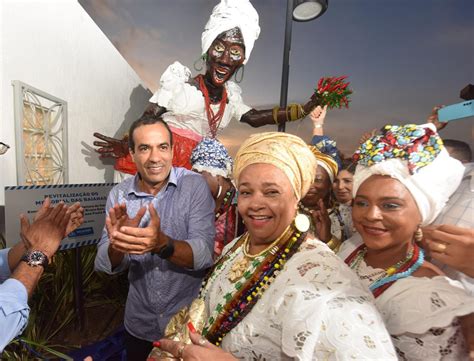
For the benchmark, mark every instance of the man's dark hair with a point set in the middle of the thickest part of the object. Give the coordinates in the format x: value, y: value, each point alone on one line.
x: 459, y: 150
x: 146, y: 119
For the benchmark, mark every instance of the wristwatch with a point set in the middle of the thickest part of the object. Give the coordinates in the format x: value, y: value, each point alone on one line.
x: 35, y: 258
x: 166, y: 251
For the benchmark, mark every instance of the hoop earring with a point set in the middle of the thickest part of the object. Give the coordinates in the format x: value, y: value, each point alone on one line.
x: 242, y: 67
x: 418, y: 234
x: 219, y: 191
x: 202, y: 59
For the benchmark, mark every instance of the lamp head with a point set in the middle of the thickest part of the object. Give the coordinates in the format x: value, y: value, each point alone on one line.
x: 306, y: 10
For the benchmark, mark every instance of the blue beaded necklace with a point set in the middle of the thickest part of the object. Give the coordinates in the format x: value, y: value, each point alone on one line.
x: 397, y: 276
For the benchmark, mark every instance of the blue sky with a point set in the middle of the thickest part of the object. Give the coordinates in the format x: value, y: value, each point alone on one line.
x: 402, y: 56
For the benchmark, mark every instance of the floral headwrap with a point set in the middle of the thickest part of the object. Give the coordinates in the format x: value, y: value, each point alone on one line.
x: 417, y: 145
x: 285, y: 151
x: 211, y: 156
x: 415, y: 156
x: 325, y: 161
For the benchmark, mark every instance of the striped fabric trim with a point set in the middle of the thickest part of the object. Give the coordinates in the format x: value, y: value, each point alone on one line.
x: 78, y: 244
x: 53, y: 186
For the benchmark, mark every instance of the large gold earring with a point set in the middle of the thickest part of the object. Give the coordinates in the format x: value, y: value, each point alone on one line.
x: 418, y: 234
x: 302, y: 222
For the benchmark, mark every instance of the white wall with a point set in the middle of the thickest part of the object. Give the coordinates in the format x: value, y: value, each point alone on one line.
x: 54, y: 45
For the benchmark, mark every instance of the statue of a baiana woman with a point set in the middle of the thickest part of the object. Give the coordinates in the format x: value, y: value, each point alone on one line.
x: 200, y: 106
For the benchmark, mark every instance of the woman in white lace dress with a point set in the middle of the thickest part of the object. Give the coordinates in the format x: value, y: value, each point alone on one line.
x: 403, y: 179
x: 278, y: 293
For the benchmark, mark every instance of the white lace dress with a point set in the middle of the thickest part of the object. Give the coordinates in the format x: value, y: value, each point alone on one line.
x: 420, y: 313
x: 316, y: 309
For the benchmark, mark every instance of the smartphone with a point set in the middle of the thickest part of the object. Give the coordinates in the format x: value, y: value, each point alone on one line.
x: 456, y: 111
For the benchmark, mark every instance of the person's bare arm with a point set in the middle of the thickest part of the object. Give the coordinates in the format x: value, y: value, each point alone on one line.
x: 28, y: 276
x: 15, y: 254
x: 279, y: 115
x: 45, y: 235
x: 318, y: 115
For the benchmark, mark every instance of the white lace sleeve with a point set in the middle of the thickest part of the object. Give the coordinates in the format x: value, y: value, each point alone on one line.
x: 416, y: 304
x: 327, y: 314
x: 349, y: 245
x: 234, y: 93
x: 422, y: 314
x: 171, y: 83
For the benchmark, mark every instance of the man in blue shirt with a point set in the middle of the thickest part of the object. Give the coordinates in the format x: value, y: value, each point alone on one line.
x: 40, y: 242
x: 159, y: 226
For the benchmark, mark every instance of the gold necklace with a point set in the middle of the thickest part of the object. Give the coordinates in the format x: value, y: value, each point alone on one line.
x: 238, y: 268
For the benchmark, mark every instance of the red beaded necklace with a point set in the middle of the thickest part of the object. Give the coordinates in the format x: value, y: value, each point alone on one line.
x: 398, y: 268
x: 214, y: 120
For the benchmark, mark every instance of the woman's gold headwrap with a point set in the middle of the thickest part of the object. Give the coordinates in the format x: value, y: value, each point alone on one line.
x: 325, y: 161
x: 285, y: 151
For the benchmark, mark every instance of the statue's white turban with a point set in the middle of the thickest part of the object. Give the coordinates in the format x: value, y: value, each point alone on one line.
x: 227, y: 15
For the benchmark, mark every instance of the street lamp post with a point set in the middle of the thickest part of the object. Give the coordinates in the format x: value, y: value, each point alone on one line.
x: 298, y: 10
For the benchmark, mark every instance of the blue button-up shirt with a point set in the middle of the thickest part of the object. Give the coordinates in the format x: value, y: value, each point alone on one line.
x: 14, y: 308
x: 159, y: 288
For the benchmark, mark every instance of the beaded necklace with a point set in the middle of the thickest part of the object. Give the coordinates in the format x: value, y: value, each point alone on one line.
x: 214, y: 120
x: 404, y: 268
x: 239, y: 304
x: 226, y: 202
x: 355, y: 265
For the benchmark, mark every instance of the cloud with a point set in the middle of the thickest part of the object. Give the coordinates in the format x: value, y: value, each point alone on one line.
x: 137, y: 44
x: 101, y: 9
x: 456, y: 34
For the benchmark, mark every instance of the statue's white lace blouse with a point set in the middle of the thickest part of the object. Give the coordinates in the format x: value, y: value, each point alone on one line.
x: 185, y: 103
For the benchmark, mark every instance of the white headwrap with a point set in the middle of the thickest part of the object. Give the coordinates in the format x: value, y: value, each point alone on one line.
x: 227, y: 15
x: 326, y: 161
x: 431, y: 185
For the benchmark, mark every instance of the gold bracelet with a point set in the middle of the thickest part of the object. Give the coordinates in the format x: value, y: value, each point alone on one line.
x: 334, y: 243
x: 286, y: 113
x: 302, y: 113
x: 296, y: 112
x: 275, y: 111
x: 289, y: 109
